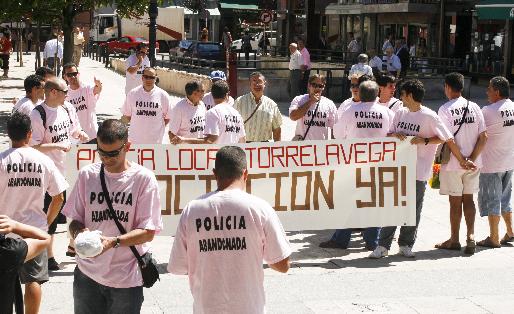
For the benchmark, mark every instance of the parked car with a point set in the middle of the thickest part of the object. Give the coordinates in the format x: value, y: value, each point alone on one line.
x: 180, y: 48
x: 206, y: 50
x: 270, y: 35
x: 125, y: 44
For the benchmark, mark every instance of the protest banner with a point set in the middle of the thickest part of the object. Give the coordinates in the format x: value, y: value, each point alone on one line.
x: 312, y: 185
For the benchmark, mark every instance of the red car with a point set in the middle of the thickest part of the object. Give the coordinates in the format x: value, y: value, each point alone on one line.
x: 126, y: 44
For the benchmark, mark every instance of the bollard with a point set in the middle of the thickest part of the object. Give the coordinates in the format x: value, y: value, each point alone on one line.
x: 232, y: 73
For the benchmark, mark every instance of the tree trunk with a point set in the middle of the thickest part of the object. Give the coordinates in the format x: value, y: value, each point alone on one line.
x: 67, y: 28
x: 38, y: 45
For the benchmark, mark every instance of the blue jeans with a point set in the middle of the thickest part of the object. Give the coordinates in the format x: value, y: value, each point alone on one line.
x: 407, y: 233
x: 370, y: 235
x: 91, y: 297
x: 495, y: 193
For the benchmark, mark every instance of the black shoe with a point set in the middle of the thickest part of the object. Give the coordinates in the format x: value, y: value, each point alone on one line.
x: 52, y: 264
x: 331, y: 245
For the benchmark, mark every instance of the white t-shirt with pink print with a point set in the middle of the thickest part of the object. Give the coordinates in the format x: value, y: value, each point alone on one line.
x: 225, y: 122
x: 61, y: 126
x: 423, y: 123
x: 322, y: 123
x: 135, y: 198
x: 147, y: 112
x: 364, y: 120
x: 498, y: 153
x: 221, y: 242
x: 188, y: 120
x: 84, y: 101
x: 451, y: 114
x: 25, y: 175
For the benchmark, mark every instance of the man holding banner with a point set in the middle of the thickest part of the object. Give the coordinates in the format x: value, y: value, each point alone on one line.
x: 414, y: 119
x: 366, y: 119
x: 222, y: 239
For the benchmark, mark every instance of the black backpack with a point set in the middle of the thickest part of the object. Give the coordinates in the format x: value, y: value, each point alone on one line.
x: 42, y: 112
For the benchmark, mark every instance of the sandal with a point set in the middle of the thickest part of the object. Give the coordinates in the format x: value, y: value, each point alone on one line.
x: 487, y: 242
x: 447, y: 245
x: 470, y: 247
x: 71, y: 251
x: 506, y: 239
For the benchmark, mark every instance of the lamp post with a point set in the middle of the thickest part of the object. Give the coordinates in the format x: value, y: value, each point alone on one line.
x: 152, y: 31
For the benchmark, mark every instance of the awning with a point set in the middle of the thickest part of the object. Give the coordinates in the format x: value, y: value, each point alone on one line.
x: 212, y: 12
x: 495, y: 9
x: 239, y: 5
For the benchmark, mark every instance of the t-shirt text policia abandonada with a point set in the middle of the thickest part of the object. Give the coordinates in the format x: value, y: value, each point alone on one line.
x: 221, y: 242
x: 188, y: 120
x: 84, y: 101
x: 225, y: 122
x: 147, y: 112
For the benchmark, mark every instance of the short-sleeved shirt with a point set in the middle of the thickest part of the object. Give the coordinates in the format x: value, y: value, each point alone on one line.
x: 360, y: 69
x: 267, y: 117
x: 424, y: 123
x: 321, y: 124
x: 133, y: 80
x: 12, y: 256
x: 84, y: 100
x: 135, y: 197
x: 498, y: 153
x: 451, y: 114
x: 394, y: 104
x: 295, y: 61
x: 61, y: 126
x: 225, y: 122
x: 147, y: 111
x: 188, y: 120
x: 345, y: 105
x: 208, y: 101
x: 393, y: 63
x: 25, y: 175
x: 25, y: 105
x: 364, y: 120
x: 221, y: 242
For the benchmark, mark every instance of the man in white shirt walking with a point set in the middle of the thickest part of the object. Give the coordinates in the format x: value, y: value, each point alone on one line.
x: 295, y: 71
x: 78, y: 45
x: 52, y: 55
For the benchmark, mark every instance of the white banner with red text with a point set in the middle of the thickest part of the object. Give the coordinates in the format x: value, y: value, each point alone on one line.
x: 313, y: 185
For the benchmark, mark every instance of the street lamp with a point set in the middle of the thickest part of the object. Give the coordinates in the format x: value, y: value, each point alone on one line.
x: 152, y: 31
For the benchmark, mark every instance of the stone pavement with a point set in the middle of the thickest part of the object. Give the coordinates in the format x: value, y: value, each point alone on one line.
x: 320, y: 280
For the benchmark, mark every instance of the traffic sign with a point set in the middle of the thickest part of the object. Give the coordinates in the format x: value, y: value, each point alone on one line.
x: 266, y: 17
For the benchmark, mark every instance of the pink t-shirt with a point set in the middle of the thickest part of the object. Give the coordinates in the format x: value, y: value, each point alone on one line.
x: 364, y: 120
x: 188, y: 120
x: 325, y: 118
x: 394, y: 104
x: 84, y: 101
x: 345, y: 105
x: 498, y: 153
x: 61, y: 127
x: 135, y: 197
x: 451, y: 114
x: 225, y: 122
x: 25, y: 105
x: 25, y: 175
x: 208, y: 100
x: 147, y: 111
x: 424, y: 123
x: 221, y: 242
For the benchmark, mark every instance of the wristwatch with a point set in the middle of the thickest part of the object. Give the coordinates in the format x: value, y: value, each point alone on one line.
x: 426, y: 141
x: 117, y: 243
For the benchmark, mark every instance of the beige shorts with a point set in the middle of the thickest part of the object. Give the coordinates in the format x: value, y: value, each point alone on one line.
x: 459, y: 182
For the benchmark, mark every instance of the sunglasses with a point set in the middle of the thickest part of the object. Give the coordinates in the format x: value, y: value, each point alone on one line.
x: 315, y: 85
x: 354, y: 85
x: 149, y: 77
x: 112, y: 153
x: 72, y: 74
x: 62, y: 90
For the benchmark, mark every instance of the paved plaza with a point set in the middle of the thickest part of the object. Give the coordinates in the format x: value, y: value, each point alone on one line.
x: 320, y: 280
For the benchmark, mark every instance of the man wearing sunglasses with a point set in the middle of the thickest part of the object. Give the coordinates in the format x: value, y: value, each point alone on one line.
x: 53, y: 135
x: 83, y: 97
x: 111, y: 282
x: 135, y: 64
x: 148, y: 109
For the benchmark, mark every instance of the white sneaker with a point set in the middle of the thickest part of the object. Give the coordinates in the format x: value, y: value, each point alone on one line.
x: 406, y: 251
x: 379, y: 252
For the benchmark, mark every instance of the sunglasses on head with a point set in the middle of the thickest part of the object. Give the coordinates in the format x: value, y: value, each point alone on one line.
x: 315, y: 85
x: 72, y: 74
x: 112, y: 153
x: 149, y: 77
